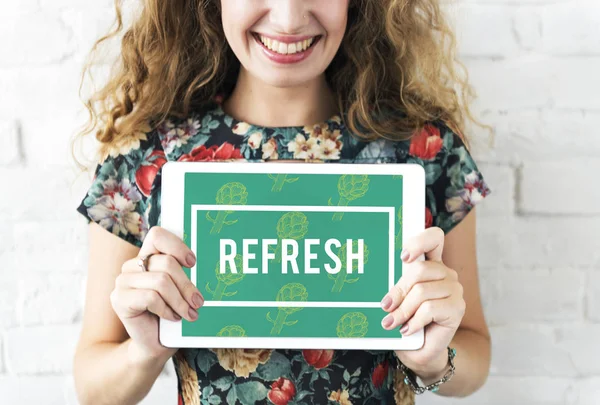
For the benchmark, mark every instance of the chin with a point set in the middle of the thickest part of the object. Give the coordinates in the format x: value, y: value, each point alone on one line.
x: 285, y: 79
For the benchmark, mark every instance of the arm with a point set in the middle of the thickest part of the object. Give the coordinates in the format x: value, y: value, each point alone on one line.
x: 107, y: 368
x: 472, y: 339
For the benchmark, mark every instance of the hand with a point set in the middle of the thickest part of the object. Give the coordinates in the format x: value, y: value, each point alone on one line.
x: 140, y: 297
x: 428, y: 295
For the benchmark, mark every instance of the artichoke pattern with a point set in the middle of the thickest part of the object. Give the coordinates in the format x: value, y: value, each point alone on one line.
x: 350, y: 188
x: 232, y: 331
x: 226, y: 279
x: 289, y: 292
x: 291, y: 225
x: 352, y: 324
x: 399, y: 233
x: 232, y: 193
x: 341, y: 277
x: 280, y: 179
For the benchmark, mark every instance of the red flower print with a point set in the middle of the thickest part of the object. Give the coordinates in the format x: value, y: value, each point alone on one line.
x: 227, y: 151
x: 199, y: 154
x: 379, y: 374
x: 282, y: 391
x: 145, y: 175
x: 428, y: 218
x: 427, y: 143
x: 318, y: 358
x: 203, y: 154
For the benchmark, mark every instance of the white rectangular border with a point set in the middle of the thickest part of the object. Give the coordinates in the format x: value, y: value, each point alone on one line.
x: 413, y: 222
x: 391, y: 211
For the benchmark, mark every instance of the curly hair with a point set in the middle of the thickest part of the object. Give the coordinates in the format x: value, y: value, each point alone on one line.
x: 394, y: 71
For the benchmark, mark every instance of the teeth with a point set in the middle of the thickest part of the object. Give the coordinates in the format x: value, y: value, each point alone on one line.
x: 282, y: 48
x: 285, y: 49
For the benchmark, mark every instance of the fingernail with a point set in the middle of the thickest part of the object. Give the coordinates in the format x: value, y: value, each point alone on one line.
x: 193, y: 314
x: 404, y: 329
x: 386, y: 302
x: 404, y: 255
x: 387, y: 321
x: 190, y: 259
x: 197, y: 300
x: 177, y: 317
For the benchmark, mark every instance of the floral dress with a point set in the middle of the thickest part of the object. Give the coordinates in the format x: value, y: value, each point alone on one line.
x: 124, y: 198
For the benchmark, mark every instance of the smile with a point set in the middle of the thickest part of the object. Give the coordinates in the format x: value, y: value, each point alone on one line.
x: 287, y: 47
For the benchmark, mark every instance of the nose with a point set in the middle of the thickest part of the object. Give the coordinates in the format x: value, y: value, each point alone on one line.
x: 288, y: 16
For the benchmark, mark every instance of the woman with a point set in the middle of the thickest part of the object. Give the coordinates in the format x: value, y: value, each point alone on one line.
x: 279, y: 80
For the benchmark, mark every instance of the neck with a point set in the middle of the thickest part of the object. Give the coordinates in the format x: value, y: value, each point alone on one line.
x: 258, y: 103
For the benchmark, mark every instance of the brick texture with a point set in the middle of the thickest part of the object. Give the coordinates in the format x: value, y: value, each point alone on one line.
x: 534, y: 65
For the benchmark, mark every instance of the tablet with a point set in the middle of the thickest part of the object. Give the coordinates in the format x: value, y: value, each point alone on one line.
x: 292, y: 255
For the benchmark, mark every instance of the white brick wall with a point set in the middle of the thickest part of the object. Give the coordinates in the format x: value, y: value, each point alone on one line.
x: 535, y: 66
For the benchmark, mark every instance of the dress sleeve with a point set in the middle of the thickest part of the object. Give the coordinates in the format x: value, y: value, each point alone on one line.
x: 454, y: 183
x: 124, y: 197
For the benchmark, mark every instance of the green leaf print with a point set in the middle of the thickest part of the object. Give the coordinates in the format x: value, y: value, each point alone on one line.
x: 205, y: 360
x: 432, y: 173
x: 433, y: 207
x: 232, y: 396
x: 208, y: 124
x: 223, y: 383
x: 448, y: 140
x: 350, y: 188
x: 214, y: 399
x: 277, y: 366
x: 250, y: 392
x: 456, y: 178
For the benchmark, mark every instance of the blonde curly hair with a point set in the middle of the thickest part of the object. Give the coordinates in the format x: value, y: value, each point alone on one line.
x: 395, y: 69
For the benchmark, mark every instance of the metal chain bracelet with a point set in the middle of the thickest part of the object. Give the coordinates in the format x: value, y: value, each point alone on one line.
x: 410, y: 377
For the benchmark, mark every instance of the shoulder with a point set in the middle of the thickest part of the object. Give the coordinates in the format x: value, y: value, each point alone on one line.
x: 454, y: 183
x: 178, y: 136
x: 425, y: 146
x: 122, y: 197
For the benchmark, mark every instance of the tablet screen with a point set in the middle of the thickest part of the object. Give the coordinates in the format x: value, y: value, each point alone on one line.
x: 302, y: 255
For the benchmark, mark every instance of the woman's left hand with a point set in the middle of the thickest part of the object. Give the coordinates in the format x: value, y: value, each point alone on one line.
x: 428, y: 295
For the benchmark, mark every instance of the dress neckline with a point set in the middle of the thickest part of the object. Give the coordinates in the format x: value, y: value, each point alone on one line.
x: 334, y: 121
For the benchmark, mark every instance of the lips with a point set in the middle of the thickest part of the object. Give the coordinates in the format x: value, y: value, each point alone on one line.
x: 287, y: 41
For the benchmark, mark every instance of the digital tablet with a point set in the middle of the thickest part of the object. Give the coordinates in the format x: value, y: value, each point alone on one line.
x: 292, y: 255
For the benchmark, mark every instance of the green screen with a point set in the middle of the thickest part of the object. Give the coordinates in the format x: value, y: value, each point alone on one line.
x: 354, y: 218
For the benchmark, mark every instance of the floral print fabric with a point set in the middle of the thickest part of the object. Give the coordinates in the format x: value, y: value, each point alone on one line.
x: 124, y: 198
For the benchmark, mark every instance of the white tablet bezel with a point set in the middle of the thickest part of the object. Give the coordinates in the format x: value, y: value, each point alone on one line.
x: 413, y: 222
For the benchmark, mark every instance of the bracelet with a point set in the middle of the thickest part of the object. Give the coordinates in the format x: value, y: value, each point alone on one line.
x: 410, y: 377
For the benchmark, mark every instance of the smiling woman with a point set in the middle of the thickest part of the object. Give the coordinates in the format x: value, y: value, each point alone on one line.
x: 351, y: 81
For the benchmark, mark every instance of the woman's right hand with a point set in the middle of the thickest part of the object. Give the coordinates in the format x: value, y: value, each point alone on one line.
x: 165, y: 291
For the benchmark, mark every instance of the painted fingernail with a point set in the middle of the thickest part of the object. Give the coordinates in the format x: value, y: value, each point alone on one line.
x: 193, y: 314
x: 386, y: 302
x: 387, y: 321
x: 404, y: 329
x: 404, y: 255
x: 190, y: 259
x: 197, y: 300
